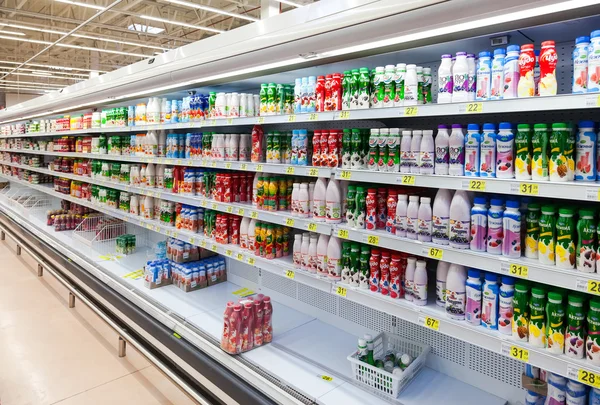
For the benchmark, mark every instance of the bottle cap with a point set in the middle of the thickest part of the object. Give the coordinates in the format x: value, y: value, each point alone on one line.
x: 523, y: 127
x: 489, y: 127
x: 595, y: 34
x: 497, y: 202
x: 500, y: 51
x: 492, y: 277
x: 480, y: 200
x: 473, y: 127
x: 485, y: 54
x: 512, y: 204
x: 474, y: 273
x: 505, y: 125
x: 456, y: 126
x: 508, y: 280
x: 582, y: 40
x: 513, y: 48
x: 586, y: 124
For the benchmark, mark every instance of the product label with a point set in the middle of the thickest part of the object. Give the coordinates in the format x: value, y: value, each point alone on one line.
x: 511, y: 246
x: 585, y: 168
x: 333, y: 211
x: 419, y: 292
x: 495, y: 234
x: 585, y: 252
x: 459, y: 233
x: 441, y: 229
x: 473, y: 312
x: 455, y: 304
x: 457, y: 155
x: 442, y: 155
x: 565, y: 243
x: 440, y: 293
x: 580, y: 68
x: 445, y: 84
x: 489, y: 317
x: 574, y: 333
x: 488, y: 157
x: 504, y: 155
x: 411, y: 227
x: 505, y: 312
x: 424, y: 228
x: 426, y: 161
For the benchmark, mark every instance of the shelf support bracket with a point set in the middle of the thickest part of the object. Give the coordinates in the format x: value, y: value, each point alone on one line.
x: 122, y: 347
x: 18, y: 250
x: 71, y: 300
x: 40, y: 270
x: 2, y: 235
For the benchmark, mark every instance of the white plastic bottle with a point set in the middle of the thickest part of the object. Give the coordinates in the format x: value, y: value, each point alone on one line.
x: 456, y: 145
x: 252, y: 239
x: 322, y: 244
x: 149, y: 207
x: 334, y: 259
x: 415, y: 153
x: 409, y: 277
x: 487, y: 157
x: 303, y: 201
x: 456, y: 292
x: 593, y: 84
x: 442, y: 152
x: 401, y: 210
x: 495, y: 227
x: 505, y: 147
x: 312, y: 253
x: 311, y: 196
x: 580, y: 65
x: 296, y: 250
x: 441, y: 274
x: 420, y: 98
x: 411, y: 85
x: 505, y: 305
x: 304, y: 251
x: 165, y: 107
x: 150, y: 176
x: 479, y: 215
x: 460, y: 220
x: 244, y: 225
x: 420, y: 284
x: 424, y: 227
x: 472, y: 141
x: 427, y: 153
x: 151, y: 144
x: 319, y: 200
x: 460, y: 77
x: 484, y: 76
x: 399, y: 78
x: 160, y: 176
x: 162, y: 144
x: 497, y: 75
x: 441, y: 217
x: 412, y: 217
x: 333, y: 209
x: 472, y: 75
x: 489, y: 304
x: 295, y: 198
x: 234, y: 147
x: 511, y: 72
x: 244, y: 154
x: 445, y: 84
x: 405, y: 155
x: 393, y: 144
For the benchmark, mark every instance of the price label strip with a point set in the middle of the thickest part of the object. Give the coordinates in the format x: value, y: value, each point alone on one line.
x: 312, y: 227
x: 476, y: 185
x: 589, y: 286
x: 407, y: 180
x: 516, y: 352
x: 429, y: 322
x: 326, y: 378
x: 313, y: 117
x: 525, y: 188
x: 313, y: 172
x: 583, y: 376
x: 371, y: 239
x: 516, y: 270
x: 341, y: 291
x: 290, y: 274
x: 434, y: 253
x: 346, y: 175
x: 343, y: 233
x: 289, y: 222
x: 411, y: 111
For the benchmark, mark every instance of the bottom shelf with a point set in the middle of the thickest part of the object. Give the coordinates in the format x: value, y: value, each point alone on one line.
x: 304, y: 348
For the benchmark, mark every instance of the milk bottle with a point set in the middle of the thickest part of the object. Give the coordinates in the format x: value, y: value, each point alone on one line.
x: 580, y: 64
x: 445, y: 85
x: 460, y: 76
x: 456, y: 145
x: 460, y: 220
x: 442, y: 154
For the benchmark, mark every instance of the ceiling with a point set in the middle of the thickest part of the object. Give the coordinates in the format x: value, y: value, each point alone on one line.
x: 110, y: 34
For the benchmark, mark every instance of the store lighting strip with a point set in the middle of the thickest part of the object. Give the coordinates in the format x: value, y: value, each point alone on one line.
x: 196, y: 27
x: 290, y: 3
x: 212, y: 10
x: 52, y: 66
x: 57, y: 86
x: 47, y: 72
x: 12, y: 33
x: 77, y: 3
x: 46, y: 76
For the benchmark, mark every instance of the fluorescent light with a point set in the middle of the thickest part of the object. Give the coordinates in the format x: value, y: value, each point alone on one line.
x: 290, y: 3
x: 36, y: 83
x: 22, y: 88
x: 77, y: 3
x: 53, y: 67
x: 212, y: 9
x: 12, y: 33
x: 197, y: 27
x: 45, y: 76
x: 24, y: 27
x: 85, y: 76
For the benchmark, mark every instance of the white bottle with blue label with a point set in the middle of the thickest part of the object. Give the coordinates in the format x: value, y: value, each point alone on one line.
x: 497, y: 89
x: 487, y: 156
x: 594, y: 62
x: 580, y: 65
x: 585, y: 165
x: 472, y: 141
x: 484, y: 76
x: 489, y: 304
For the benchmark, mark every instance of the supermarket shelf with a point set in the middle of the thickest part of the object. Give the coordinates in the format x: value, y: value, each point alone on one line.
x: 244, y: 210
x: 518, y: 267
x: 491, y: 340
x: 568, y: 190
x: 555, y: 103
x: 274, y: 168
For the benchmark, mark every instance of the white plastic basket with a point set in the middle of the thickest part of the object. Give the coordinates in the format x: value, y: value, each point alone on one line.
x: 380, y: 382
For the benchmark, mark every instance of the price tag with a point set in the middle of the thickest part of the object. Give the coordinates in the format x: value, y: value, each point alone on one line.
x: 203, y: 244
x: 204, y: 203
x: 477, y: 185
x: 190, y: 162
x: 175, y: 234
x: 346, y: 174
x: 214, y: 248
x: 341, y: 291
x: 251, y: 261
x: 229, y: 210
x: 519, y: 353
x: 344, y: 115
x: 290, y: 274
x: 435, y: 253
x: 292, y: 118
x: 254, y: 214
x: 429, y: 322
x: 408, y: 180
x: 518, y: 270
x: 193, y: 241
x: 289, y: 222
x: 290, y: 170
x: 228, y: 252
x: 528, y: 189
x: 214, y: 206
x: 372, y: 240
x: 593, y: 287
x: 240, y: 212
x: 229, y: 121
x: 240, y: 257
x: 313, y: 117
x: 244, y: 166
x: 589, y: 378
x: 474, y: 108
x: 260, y: 120
x: 313, y: 172
x: 213, y: 122
x: 228, y: 165
x: 213, y: 163
x: 312, y: 227
x: 411, y: 111
x: 326, y: 378
x: 343, y: 233
x: 259, y: 168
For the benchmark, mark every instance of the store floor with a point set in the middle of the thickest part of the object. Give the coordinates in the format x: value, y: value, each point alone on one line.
x: 50, y: 354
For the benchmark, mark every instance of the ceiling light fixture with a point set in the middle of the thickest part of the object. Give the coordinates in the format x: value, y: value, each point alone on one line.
x: 52, y: 66
x: 289, y: 3
x: 77, y: 3
x: 59, y: 86
x: 212, y: 10
x: 197, y: 27
x: 12, y: 33
x: 22, y: 88
x: 45, y: 76
x: 83, y: 76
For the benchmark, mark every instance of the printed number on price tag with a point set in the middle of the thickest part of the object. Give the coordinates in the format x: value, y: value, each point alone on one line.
x: 228, y: 252
x: 291, y: 118
x: 411, y: 111
x: 313, y: 172
x: 477, y: 185
x: 289, y: 222
x: 241, y: 212
x: 435, y: 253
x: 251, y: 261
x: 254, y: 214
x: 343, y: 233
x: 529, y: 189
x: 593, y: 287
x: 203, y: 244
x: 240, y: 257
x: 346, y: 174
x: 290, y: 274
x: 326, y: 378
x: 313, y: 117
x: 474, y: 108
x: 259, y: 168
x: 290, y: 170
x: 214, y: 206
x: 432, y: 323
x: 229, y: 121
x: 373, y: 240
x: 260, y: 120
x: 312, y: 227
x: 518, y: 270
x: 408, y: 180
x: 214, y: 248
x: 519, y: 353
x: 228, y: 165
x: 587, y: 377
x: 341, y: 291
x: 344, y: 115
x: 244, y: 166
x: 229, y: 210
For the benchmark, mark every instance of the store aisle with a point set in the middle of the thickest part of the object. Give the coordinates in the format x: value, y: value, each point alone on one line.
x: 50, y: 354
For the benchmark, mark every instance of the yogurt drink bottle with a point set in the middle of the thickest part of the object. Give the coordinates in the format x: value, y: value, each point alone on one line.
x: 409, y: 277
x: 548, y: 60
x: 399, y: 77
x: 511, y: 224
x: 456, y: 145
x: 497, y: 89
x: 526, y: 61
x: 411, y: 86
x: 505, y: 142
x: 445, y: 83
x: 472, y: 141
x: 523, y: 152
x: 412, y: 217
x: 593, y: 84
x: 580, y: 65
x: 511, y: 72
x: 490, y: 295
x: 473, y: 295
x: 415, y: 155
x: 505, y: 305
x: 479, y: 214
x: 427, y: 153
x: 484, y: 76
x: 460, y: 78
x: 406, y: 162
x: 420, y: 284
x: 495, y: 227
x: 460, y: 220
x: 455, y: 292
x: 441, y: 216
x: 401, y: 209
x: 424, y: 227
x: 585, y: 166
x: 441, y: 274
x: 442, y: 153
x: 472, y: 76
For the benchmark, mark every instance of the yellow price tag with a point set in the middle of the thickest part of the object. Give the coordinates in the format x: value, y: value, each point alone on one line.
x: 214, y: 206
x: 214, y: 248
x: 477, y: 185
x: 240, y: 212
x: 518, y: 270
x: 228, y: 165
x: 344, y: 115
x: 587, y: 377
x: 193, y: 241
x: 260, y: 120
x: 292, y: 118
x: 312, y: 227
x: 343, y: 233
x: 213, y: 122
x: 290, y: 274
x: 240, y: 257
x: 289, y: 222
x: 313, y: 117
x: 251, y: 261
x: 213, y: 163
x: 228, y: 252
x: 435, y: 253
x: 529, y: 189
x: 474, y: 108
x: 229, y: 210
x: 175, y: 234
x: 244, y: 166
x: 229, y: 121
x: 259, y: 168
x: 432, y: 323
x: 346, y: 174
x: 593, y: 287
x: 203, y: 244
x: 341, y: 291
x: 326, y: 378
x: 373, y: 240
x: 177, y: 335
x: 411, y: 111
x: 290, y: 170
x: 313, y: 172
x: 519, y: 353
x: 408, y: 180
x: 254, y: 214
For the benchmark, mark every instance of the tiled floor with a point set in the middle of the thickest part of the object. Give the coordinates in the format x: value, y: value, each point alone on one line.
x: 50, y: 354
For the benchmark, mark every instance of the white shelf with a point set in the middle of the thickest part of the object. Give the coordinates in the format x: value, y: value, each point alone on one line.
x: 274, y: 168
x: 244, y: 210
x: 573, y: 190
